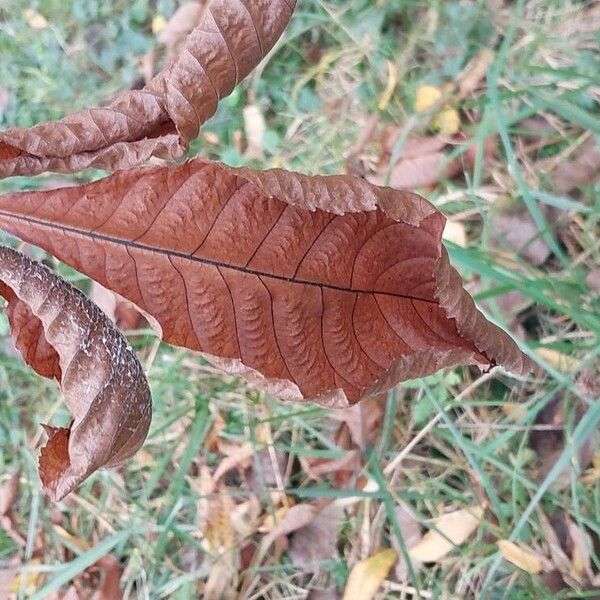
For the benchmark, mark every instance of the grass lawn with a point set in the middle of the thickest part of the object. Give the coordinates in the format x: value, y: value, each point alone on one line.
x: 191, y: 513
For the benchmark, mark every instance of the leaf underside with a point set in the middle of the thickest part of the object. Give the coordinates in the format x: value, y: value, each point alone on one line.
x: 326, y: 288
x: 61, y: 334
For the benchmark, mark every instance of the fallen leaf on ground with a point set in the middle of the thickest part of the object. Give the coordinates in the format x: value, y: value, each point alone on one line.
x: 101, y: 379
x: 474, y: 73
x: 527, y: 560
x: 367, y: 575
x: 411, y: 535
x: 325, y: 288
x: 295, y: 518
x: 317, y: 541
x: 451, y: 530
x: 593, y: 280
x: 163, y: 117
x: 515, y: 227
x: 549, y: 444
x: 580, y: 169
x: 422, y: 162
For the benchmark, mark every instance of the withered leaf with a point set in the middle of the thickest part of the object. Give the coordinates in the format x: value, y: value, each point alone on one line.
x: 101, y: 379
x: 323, y: 287
x: 231, y: 38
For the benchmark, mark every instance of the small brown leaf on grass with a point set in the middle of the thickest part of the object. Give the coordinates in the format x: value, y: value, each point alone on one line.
x: 527, y: 560
x: 367, y: 575
x: 102, y: 381
x: 516, y: 228
x: 451, y: 530
x: 317, y: 541
x: 325, y: 288
x: 581, y: 169
x: 593, y: 280
x: 549, y: 444
x: 474, y: 73
x: 160, y: 119
x: 410, y: 529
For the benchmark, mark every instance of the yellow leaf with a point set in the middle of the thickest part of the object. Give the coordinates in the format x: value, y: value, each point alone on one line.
x: 556, y: 359
x: 158, y: 24
x: 426, y: 97
x: 391, y: 85
x: 447, y: 121
x: 34, y: 19
x: 367, y: 575
x: 527, y: 560
x: 450, y: 530
x: 28, y: 580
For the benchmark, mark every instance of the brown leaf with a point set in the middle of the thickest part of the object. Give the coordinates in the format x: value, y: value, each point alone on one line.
x: 475, y: 71
x: 295, y: 518
x: 549, y: 444
x: 516, y: 228
x: 231, y: 38
x: 102, y: 382
x: 411, y: 534
x: 582, y: 168
x: 422, y: 162
x: 593, y: 280
x: 110, y: 588
x: 326, y: 288
x: 317, y: 541
x: 28, y: 336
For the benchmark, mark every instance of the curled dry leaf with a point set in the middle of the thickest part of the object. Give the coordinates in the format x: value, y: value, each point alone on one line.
x: 231, y: 38
x: 102, y: 381
x: 325, y: 288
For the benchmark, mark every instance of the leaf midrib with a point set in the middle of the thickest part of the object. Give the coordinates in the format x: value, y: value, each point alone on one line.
x: 206, y: 261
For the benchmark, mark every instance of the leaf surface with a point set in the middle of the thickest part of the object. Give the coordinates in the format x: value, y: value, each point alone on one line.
x: 326, y: 288
x: 101, y: 379
x: 231, y: 38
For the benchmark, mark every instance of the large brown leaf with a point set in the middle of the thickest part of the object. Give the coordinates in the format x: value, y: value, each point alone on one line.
x: 232, y: 37
x: 101, y: 379
x: 326, y: 288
